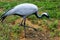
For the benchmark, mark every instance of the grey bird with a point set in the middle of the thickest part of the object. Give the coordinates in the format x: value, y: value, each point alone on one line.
x: 24, y: 10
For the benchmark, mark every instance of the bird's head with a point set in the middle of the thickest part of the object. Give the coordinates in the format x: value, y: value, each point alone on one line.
x: 45, y: 14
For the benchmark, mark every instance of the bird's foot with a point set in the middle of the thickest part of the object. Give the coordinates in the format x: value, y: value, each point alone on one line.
x: 20, y: 24
x: 28, y: 27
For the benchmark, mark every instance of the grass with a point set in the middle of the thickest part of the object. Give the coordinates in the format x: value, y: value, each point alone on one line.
x: 50, y: 6
x: 53, y: 25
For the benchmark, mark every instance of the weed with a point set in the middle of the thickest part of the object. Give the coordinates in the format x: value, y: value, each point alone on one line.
x: 52, y: 34
x: 50, y: 6
x: 53, y: 26
x: 34, y: 21
x: 40, y: 29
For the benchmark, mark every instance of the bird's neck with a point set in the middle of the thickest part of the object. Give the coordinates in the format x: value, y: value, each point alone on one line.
x: 38, y: 16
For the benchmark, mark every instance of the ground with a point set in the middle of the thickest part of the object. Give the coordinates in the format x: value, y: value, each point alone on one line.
x: 47, y: 29
x: 35, y: 35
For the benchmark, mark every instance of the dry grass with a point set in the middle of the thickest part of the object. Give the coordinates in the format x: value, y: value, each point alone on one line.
x: 43, y: 32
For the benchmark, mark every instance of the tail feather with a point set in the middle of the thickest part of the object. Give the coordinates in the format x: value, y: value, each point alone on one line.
x: 2, y: 18
x: 4, y: 15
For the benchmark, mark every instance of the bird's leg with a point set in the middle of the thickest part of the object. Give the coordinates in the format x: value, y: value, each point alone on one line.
x: 25, y: 27
x: 21, y: 23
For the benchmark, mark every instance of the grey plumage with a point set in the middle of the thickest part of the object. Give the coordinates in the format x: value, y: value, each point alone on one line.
x: 23, y: 10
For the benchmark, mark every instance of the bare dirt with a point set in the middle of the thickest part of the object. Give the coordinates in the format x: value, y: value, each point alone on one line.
x: 31, y: 34
x: 36, y: 35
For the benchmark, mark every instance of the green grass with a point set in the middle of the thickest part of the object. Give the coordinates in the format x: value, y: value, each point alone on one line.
x: 53, y: 26
x: 50, y: 6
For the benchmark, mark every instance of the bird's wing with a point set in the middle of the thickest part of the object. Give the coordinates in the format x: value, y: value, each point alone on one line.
x: 25, y: 11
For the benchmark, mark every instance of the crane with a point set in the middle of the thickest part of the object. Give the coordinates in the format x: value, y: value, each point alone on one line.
x: 24, y: 10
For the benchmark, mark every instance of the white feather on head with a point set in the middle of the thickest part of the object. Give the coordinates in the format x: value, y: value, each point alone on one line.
x: 45, y: 13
